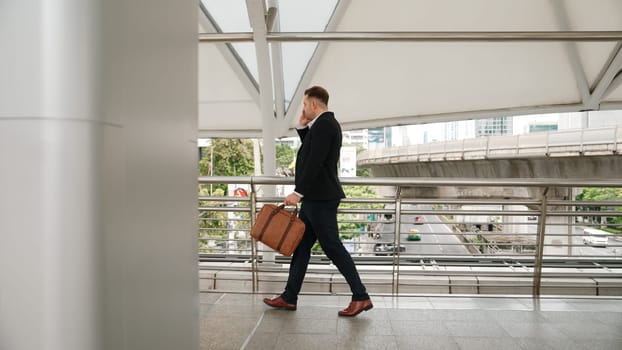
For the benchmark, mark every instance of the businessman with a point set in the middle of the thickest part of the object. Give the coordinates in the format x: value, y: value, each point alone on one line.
x: 319, y: 190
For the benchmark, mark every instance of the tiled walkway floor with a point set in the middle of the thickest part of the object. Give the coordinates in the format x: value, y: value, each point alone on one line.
x: 242, y: 321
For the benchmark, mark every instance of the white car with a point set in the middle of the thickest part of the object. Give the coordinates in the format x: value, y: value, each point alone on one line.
x: 388, y: 249
x: 595, y: 238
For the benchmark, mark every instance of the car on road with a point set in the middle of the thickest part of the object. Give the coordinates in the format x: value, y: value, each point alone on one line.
x: 414, y: 235
x: 595, y: 238
x: 388, y: 249
x: 419, y: 220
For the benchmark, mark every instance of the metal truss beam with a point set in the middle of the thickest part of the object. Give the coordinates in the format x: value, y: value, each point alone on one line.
x: 277, y: 65
x: 294, y: 106
x: 486, y: 36
x: 611, y: 69
x: 572, y: 51
x: 615, y: 83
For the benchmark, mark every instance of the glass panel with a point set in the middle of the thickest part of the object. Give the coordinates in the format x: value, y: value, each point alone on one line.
x: 294, y: 16
x: 300, y: 16
x: 296, y: 57
x: 231, y: 16
x: 305, y: 16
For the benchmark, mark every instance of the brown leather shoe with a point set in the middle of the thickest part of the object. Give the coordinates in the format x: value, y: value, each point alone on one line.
x: 356, y: 307
x: 279, y: 303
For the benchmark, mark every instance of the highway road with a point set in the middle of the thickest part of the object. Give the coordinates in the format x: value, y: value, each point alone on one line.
x: 580, y: 249
x: 436, y: 237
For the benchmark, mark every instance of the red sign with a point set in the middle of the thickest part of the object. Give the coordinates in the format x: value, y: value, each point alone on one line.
x: 240, y: 192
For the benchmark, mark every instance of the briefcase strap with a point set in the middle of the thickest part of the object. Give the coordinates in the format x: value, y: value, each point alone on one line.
x: 289, y: 225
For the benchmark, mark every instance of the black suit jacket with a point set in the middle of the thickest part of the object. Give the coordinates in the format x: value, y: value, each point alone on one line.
x: 317, y: 159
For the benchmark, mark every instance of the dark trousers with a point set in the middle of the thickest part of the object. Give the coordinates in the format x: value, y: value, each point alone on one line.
x: 320, y: 218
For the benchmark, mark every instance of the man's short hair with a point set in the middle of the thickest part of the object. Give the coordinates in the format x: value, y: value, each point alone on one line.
x: 318, y: 92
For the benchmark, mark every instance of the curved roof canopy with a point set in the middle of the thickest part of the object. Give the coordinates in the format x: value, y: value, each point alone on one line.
x: 398, y: 62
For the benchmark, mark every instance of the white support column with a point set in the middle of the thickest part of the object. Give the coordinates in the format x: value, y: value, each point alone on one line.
x: 257, y: 13
x: 277, y: 69
x: 150, y: 87
x: 98, y: 108
x: 49, y: 137
x: 257, y: 17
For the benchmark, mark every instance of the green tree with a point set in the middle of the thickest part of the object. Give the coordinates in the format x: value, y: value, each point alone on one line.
x: 362, y: 172
x: 351, y: 228
x: 285, y: 155
x: 212, y: 224
x: 350, y: 225
x: 603, y: 194
x: 600, y: 194
x: 232, y: 157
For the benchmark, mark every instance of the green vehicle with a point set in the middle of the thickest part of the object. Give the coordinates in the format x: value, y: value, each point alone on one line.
x: 414, y: 235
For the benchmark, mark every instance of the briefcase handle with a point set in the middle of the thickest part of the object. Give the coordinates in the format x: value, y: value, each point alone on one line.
x: 282, y: 206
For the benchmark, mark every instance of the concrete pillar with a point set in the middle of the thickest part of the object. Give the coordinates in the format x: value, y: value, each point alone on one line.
x: 98, y: 175
x: 559, y: 229
x: 556, y: 236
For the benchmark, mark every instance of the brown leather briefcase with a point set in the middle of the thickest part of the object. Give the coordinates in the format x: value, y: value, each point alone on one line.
x: 278, y: 228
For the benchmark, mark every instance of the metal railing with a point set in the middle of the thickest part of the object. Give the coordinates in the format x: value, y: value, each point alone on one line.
x: 508, y: 236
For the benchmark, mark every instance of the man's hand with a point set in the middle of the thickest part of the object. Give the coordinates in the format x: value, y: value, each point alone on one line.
x: 292, y: 199
x: 303, y: 121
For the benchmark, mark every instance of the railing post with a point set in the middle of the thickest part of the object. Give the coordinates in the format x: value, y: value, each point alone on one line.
x: 571, y: 218
x: 417, y: 153
x: 546, y: 149
x: 396, y: 242
x: 537, y: 267
x: 463, y: 150
x: 254, y: 255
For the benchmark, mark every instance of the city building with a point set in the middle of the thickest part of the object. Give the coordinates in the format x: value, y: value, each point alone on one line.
x: 493, y: 126
x: 356, y: 138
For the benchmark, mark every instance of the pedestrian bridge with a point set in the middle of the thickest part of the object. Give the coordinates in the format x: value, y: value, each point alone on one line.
x: 453, y: 289
x: 577, y: 153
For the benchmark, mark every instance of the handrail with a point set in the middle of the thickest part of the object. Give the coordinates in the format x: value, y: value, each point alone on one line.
x: 422, y: 181
x: 516, y: 237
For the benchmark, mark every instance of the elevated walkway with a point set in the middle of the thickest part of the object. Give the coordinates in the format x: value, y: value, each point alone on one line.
x: 578, y: 153
x: 242, y: 321
x: 562, y: 295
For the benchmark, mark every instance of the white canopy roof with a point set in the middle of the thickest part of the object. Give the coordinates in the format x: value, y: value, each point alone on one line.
x: 397, y: 62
